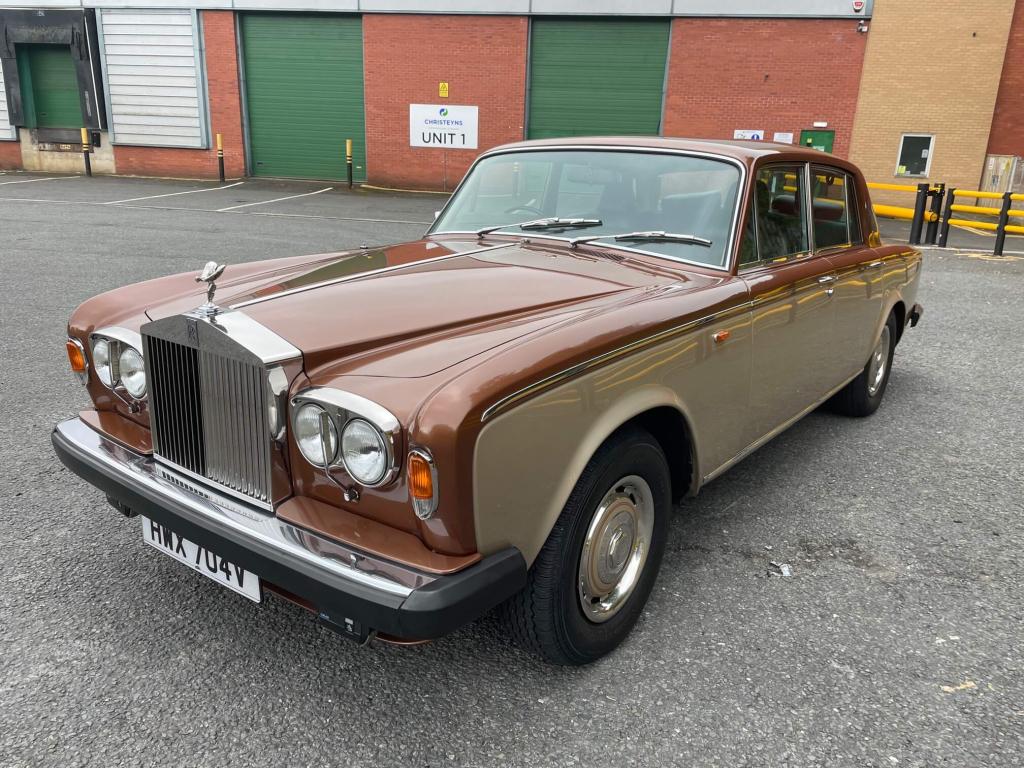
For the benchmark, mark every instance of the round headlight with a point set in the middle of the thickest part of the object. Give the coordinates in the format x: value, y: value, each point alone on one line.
x: 132, y: 372
x: 363, y: 452
x: 101, y: 361
x: 308, y: 435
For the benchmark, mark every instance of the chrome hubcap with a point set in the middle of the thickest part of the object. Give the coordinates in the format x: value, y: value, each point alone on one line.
x: 615, y: 549
x: 879, y: 362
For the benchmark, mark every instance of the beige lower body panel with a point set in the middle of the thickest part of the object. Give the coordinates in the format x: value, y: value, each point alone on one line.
x: 528, y: 459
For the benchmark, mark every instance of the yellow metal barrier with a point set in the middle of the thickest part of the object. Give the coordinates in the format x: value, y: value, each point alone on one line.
x: 988, y: 226
x: 891, y: 187
x: 896, y: 212
x: 983, y: 211
x: 979, y: 195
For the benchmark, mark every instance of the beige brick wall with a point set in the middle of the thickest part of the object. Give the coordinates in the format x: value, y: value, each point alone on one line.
x: 930, y: 68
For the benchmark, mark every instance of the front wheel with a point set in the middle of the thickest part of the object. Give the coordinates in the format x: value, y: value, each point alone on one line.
x: 863, y: 395
x: 589, y: 584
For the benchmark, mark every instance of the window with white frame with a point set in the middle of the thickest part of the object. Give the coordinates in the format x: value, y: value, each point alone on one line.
x: 915, y: 156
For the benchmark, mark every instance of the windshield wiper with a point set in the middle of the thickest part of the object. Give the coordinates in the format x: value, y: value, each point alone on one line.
x: 548, y: 223
x: 653, y: 236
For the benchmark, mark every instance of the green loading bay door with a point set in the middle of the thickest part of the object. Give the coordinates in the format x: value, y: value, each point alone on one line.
x: 596, y: 76
x: 49, y: 86
x: 304, y: 94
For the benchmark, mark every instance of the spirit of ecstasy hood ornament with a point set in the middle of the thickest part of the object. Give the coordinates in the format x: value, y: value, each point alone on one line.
x: 209, y: 275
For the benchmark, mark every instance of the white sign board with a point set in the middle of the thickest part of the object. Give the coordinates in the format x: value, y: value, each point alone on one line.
x: 442, y: 125
x: 748, y: 135
x: 783, y: 138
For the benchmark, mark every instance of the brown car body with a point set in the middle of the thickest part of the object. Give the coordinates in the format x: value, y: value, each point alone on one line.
x: 512, y: 357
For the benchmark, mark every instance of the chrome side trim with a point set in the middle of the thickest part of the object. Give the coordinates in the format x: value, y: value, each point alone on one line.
x: 361, y: 275
x: 243, y: 521
x: 771, y: 435
x: 607, y: 357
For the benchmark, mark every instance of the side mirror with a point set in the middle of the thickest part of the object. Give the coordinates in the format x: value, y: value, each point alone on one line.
x: 436, y: 214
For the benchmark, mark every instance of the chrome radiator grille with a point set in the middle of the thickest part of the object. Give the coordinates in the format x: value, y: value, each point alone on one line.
x: 209, y: 416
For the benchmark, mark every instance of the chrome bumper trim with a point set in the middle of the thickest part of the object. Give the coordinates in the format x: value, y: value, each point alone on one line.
x: 244, y: 521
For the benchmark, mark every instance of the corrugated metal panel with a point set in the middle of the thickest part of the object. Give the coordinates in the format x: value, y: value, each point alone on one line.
x: 596, y: 76
x: 304, y: 94
x: 6, y: 129
x: 153, y: 76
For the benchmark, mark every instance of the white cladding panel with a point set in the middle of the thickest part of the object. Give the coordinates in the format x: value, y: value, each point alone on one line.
x: 6, y: 129
x: 153, y: 77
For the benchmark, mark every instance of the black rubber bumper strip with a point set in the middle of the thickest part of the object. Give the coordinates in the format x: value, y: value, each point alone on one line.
x: 445, y: 604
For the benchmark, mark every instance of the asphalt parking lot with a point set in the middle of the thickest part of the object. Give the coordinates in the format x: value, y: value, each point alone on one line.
x: 897, y: 641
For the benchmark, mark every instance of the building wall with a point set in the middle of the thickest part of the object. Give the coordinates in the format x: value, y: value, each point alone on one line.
x: 482, y: 58
x: 930, y: 70
x: 1007, y: 137
x: 779, y: 75
x: 225, y: 115
x: 10, y: 155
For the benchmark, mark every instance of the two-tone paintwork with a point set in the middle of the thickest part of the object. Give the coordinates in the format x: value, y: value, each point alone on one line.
x: 512, y: 358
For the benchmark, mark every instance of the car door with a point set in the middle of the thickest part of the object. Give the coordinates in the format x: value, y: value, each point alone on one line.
x: 791, y: 291
x: 861, y: 275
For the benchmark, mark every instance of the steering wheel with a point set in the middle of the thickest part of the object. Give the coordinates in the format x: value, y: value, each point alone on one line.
x: 525, y: 209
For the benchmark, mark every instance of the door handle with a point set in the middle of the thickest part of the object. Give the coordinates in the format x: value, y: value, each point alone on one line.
x: 826, y: 279
x: 875, y: 265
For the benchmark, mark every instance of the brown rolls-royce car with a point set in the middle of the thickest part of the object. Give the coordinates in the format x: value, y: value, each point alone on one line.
x: 504, y: 412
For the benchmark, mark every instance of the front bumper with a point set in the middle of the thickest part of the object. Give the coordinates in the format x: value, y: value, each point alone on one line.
x: 352, y: 591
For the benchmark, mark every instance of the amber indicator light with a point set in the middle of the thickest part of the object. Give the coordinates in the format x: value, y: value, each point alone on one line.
x: 421, y: 483
x: 76, y: 357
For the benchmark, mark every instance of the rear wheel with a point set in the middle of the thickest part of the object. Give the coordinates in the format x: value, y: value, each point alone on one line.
x: 863, y: 395
x: 590, y: 582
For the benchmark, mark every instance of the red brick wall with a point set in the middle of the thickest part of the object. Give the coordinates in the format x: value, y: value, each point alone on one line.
x: 225, y: 115
x: 483, y: 58
x: 1007, y: 136
x: 775, y: 75
x: 10, y: 154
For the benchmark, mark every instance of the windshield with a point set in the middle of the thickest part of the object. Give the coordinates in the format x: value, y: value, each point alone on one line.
x: 686, y: 200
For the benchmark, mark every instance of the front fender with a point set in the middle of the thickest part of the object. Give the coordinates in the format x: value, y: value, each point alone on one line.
x: 527, y: 461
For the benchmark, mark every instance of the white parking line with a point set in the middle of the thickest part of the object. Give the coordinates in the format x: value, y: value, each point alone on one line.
x: 277, y: 200
x: 211, y: 210
x: 172, y: 194
x: 48, y: 178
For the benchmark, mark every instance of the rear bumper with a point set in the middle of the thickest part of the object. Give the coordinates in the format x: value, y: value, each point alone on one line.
x: 351, y: 590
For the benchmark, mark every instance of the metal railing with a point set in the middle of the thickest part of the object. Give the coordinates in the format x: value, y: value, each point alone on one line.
x: 1002, y: 214
x: 935, y: 207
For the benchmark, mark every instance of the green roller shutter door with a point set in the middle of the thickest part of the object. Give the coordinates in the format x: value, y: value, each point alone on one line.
x: 304, y: 94
x: 596, y: 77
x: 52, y: 86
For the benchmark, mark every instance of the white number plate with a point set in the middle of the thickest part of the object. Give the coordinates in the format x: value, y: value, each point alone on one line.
x: 200, y: 559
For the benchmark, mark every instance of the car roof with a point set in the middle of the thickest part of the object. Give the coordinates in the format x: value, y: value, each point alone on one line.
x: 747, y: 151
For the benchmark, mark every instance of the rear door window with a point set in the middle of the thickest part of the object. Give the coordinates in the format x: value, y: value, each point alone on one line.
x: 834, y: 209
x: 780, y: 203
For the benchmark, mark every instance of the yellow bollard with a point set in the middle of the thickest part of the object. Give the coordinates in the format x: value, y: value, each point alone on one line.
x: 220, y: 156
x: 85, y: 152
x: 348, y: 160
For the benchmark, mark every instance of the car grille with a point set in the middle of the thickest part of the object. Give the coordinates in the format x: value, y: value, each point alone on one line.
x: 208, y: 414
